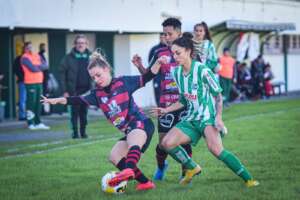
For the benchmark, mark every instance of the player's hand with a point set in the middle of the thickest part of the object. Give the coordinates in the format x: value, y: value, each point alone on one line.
x: 157, y: 111
x: 219, y: 124
x: 137, y: 61
x: 164, y: 59
x: 52, y: 101
x: 66, y: 94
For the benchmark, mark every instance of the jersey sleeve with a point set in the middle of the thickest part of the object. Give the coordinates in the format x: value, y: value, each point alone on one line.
x: 90, y: 98
x: 211, y: 81
x: 133, y: 83
x: 212, y: 57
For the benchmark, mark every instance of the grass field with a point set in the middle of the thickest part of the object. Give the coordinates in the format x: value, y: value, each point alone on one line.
x: 265, y: 136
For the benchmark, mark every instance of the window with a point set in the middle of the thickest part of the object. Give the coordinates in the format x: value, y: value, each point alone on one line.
x: 294, y: 44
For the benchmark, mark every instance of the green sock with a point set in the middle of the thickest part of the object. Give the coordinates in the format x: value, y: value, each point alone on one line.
x: 235, y: 165
x: 180, y: 155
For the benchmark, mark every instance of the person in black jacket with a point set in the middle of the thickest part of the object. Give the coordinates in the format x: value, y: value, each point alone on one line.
x: 75, y: 80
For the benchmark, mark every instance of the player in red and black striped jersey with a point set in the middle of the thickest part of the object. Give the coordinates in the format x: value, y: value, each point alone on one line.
x: 169, y: 93
x: 114, y: 97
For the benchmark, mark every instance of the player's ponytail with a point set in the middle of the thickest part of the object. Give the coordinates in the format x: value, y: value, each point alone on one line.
x: 97, y: 59
x: 185, y: 41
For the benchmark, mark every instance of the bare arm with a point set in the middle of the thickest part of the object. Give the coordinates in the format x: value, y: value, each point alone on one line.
x: 219, y: 124
x: 162, y: 111
x: 219, y: 105
x: 137, y: 61
x: 61, y: 100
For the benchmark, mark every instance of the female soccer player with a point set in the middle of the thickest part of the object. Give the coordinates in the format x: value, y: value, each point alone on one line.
x: 204, y: 49
x: 114, y: 97
x: 200, y: 92
x: 168, y: 93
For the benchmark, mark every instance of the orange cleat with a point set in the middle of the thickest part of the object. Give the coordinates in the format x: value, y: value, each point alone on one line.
x: 145, y: 186
x: 123, y: 175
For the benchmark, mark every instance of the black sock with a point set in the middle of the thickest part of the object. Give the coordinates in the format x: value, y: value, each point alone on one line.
x: 161, y: 156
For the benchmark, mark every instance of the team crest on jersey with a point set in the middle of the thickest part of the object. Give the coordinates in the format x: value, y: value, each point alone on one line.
x: 195, y: 86
x: 104, y: 99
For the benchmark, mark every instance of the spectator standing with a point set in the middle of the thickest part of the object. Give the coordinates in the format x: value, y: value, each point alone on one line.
x: 226, y: 73
x: 42, y: 51
x: 75, y: 81
x: 204, y: 49
x: 33, y: 69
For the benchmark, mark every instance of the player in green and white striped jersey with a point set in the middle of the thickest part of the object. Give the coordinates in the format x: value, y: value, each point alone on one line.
x: 204, y: 49
x: 201, y: 93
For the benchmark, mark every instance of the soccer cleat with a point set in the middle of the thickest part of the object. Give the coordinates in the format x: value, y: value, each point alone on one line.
x: 251, y: 183
x: 32, y: 127
x: 123, y: 175
x: 145, y: 186
x: 160, y: 173
x: 189, y: 175
x: 42, y: 126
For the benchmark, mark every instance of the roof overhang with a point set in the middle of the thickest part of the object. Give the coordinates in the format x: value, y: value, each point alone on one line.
x: 227, y: 33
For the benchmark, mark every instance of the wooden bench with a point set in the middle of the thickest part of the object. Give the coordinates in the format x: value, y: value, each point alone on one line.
x: 277, y: 85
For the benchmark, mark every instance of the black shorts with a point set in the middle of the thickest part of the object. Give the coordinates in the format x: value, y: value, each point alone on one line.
x: 148, y: 128
x: 166, y: 122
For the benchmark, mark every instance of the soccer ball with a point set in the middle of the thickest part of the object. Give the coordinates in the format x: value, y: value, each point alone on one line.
x: 118, y: 189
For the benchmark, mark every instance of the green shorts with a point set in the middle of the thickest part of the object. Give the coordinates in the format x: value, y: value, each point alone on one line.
x: 194, y: 129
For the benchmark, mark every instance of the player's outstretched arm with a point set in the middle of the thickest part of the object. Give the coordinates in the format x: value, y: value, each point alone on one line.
x: 53, y: 101
x: 158, y: 111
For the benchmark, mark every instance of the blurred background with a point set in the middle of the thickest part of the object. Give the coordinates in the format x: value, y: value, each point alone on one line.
x: 123, y: 28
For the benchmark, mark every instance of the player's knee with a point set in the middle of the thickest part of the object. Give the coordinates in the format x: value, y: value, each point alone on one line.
x: 113, y: 159
x: 167, y: 143
x: 214, y: 149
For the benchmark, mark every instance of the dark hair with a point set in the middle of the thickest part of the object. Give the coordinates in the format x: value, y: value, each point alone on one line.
x: 175, y: 23
x: 97, y: 59
x: 225, y: 49
x: 27, y: 43
x: 207, y: 33
x: 185, y: 41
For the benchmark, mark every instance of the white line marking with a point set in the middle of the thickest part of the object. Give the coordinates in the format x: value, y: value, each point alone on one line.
x: 113, y: 138
x: 57, y: 148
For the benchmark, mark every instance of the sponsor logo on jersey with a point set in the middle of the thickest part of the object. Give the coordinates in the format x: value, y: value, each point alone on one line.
x: 167, y: 120
x: 192, y: 97
x: 118, y: 121
x: 168, y: 76
x: 171, y: 86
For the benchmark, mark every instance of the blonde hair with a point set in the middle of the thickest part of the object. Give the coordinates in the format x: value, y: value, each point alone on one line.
x: 97, y: 59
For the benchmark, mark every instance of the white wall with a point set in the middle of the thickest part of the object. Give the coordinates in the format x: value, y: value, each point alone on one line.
x: 125, y: 46
x: 140, y: 15
x: 121, y: 55
x: 293, y: 72
x: 277, y: 66
x: 141, y: 44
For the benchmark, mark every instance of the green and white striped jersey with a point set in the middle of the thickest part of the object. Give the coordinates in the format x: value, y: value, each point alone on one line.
x: 197, y: 90
x: 206, y: 52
